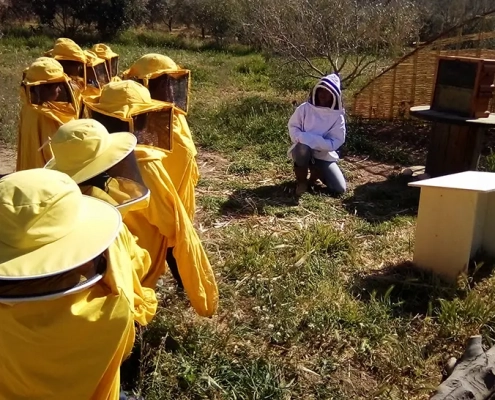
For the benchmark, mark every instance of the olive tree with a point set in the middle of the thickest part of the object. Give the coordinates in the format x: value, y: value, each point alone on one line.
x: 165, y: 11
x: 440, y: 15
x: 68, y: 17
x: 218, y: 18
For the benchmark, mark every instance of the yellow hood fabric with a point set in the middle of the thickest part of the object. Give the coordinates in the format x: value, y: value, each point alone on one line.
x: 92, y: 58
x: 128, y: 98
x: 39, y: 122
x: 165, y: 224
x: 44, y: 70
x: 104, y: 51
x: 124, y: 99
x: 72, y: 347
x: 67, y: 49
x: 150, y: 66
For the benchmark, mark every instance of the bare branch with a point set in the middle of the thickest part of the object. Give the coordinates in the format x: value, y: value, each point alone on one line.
x: 358, y: 70
x: 332, y: 63
x: 343, y: 64
x: 337, y: 31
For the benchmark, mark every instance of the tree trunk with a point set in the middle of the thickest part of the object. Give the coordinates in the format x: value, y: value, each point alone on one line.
x: 169, y: 23
x: 471, y: 377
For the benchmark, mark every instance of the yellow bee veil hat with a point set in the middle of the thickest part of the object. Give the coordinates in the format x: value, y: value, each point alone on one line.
x: 48, y: 226
x: 83, y: 149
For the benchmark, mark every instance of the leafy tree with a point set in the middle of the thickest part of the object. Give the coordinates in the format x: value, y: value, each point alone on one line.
x: 64, y: 16
x: 440, y: 15
x: 67, y: 17
x: 165, y: 11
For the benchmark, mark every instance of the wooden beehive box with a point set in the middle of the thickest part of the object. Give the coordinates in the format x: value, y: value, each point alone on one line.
x: 463, y: 86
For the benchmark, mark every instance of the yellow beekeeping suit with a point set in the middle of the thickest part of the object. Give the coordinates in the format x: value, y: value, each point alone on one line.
x: 165, y: 224
x: 112, y: 59
x: 126, y: 99
x: 38, y: 122
x: 63, y: 336
x: 148, y: 68
x: 93, y: 330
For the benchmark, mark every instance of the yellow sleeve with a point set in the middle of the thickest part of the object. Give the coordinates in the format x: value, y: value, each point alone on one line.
x: 127, y: 252
x: 167, y: 212
x: 161, y: 209
x: 194, y: 267
x: 181, y: 164
x: 186, y: 191
x: 34, y: 130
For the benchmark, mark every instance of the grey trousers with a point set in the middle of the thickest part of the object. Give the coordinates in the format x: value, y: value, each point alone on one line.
x: 332, y: 175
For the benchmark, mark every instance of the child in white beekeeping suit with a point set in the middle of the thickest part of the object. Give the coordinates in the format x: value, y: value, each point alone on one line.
x: 317, y: 130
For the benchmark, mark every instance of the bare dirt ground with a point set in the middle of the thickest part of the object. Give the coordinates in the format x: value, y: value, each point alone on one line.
x: 7, y: 160
x: 215, y: 168
x: 363, y: 170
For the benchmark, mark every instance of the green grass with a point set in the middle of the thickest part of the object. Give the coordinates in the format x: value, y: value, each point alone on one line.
x: 317, y: 299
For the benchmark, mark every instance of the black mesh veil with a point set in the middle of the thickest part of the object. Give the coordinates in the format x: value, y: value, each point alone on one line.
x: 50, y: 92
x: 97, y: 76
x: 172, y: 88
x: 153, y: 128
x: 113, y: 124
x: 69, y: 282
x: 74, y: 69
x: 113, y: 65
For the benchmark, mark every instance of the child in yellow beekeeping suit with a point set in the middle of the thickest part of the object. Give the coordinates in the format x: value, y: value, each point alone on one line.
x: 112, y: 59
x: 127, y: 105
x: 168, y: 82
x: 69, y: 295
x: 87, y: 71
x: 162, y: 225
x: 165, y: 80
x: 47, y: 102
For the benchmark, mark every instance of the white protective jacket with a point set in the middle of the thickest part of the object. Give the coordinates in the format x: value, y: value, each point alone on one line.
x: 321, y: 128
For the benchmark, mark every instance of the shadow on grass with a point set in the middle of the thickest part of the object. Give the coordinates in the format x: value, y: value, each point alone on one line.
x: 245, y: 202
x: 135, y: 369
x: 405, y: 288
x: 381, y: 201
x: 480, y: 268
x: 409, y: 290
